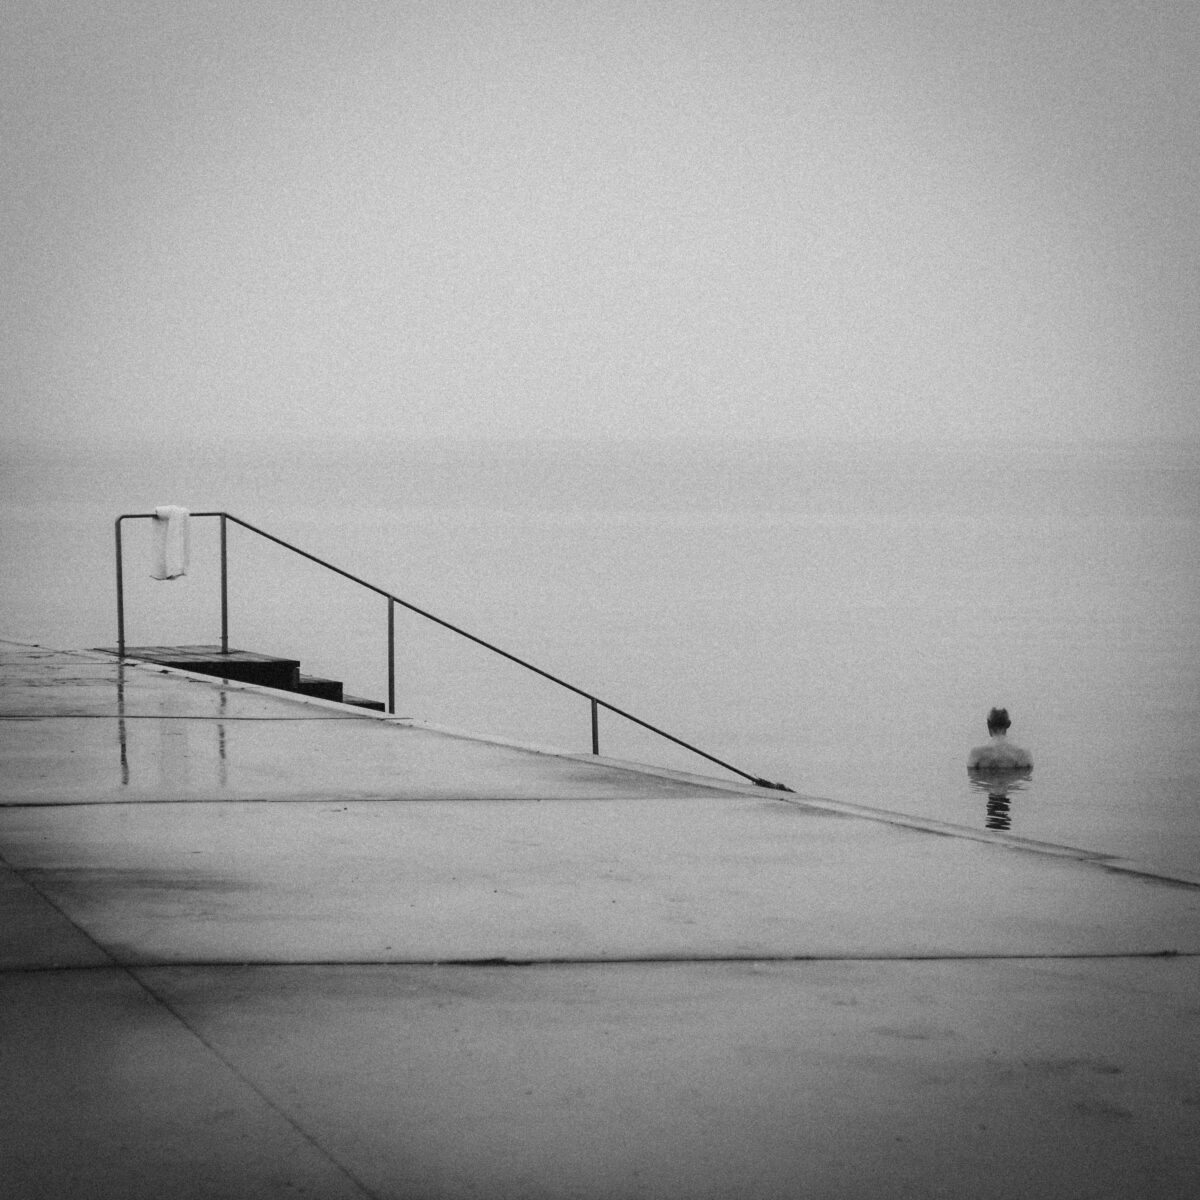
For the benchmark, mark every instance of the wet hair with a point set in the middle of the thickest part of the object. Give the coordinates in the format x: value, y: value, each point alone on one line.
x: 997, y: 720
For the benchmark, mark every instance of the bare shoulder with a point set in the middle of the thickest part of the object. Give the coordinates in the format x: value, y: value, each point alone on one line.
x: 999, y: 758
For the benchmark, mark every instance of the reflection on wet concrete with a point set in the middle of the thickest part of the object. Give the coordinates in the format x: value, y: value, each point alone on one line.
x: 140, y: 734
x: 94, y: 685
x: 174, y: 756
x: 999, y: 785
x: 122, y: 735
x: 222, y: 761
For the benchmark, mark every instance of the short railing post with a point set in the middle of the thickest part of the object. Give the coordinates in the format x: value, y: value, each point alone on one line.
x: 391, y: 707
x: 224, y: 591
x: 595, y: 726
x: 120, y: 594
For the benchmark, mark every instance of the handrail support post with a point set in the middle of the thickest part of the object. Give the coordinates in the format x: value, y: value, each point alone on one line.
x: 391, y: 673
x: 595, y: 726
x: 120, y: 594
x: 224, y: 590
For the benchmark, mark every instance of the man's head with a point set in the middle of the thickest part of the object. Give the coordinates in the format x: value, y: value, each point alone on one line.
x: 997, y: 721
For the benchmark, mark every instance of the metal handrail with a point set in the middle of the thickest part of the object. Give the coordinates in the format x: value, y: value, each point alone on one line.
x: 595, y: 701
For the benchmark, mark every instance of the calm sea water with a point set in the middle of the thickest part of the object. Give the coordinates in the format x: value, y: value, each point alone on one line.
x: 839, y: 618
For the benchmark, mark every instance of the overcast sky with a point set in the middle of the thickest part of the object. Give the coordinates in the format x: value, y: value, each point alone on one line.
x: 741, y: 218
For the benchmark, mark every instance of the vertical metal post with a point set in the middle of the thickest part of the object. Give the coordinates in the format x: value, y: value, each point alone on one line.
x: 224, y: 593
x: 391, y: 656
x: 595, y: 727
x: 120, y: 595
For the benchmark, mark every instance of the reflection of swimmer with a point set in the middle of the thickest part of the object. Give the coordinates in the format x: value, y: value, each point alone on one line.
x: 998, y: 811
x: 999, y: 786
x: 999, y: 756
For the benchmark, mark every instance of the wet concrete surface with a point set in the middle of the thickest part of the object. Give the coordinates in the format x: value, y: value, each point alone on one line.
x: 107, y: 1093
x: 843, y: 1079
x: 41, y: 683
x: 426, y: 881
x: 224, y: 977
x: 285, y: 758
x: 166, y: 737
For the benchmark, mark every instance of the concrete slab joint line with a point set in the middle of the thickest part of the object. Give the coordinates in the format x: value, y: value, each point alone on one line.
x: 246, y: 1082
x: 228, y: 1065
x: 552, y: 961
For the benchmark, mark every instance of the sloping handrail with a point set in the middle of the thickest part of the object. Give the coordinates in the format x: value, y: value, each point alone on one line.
x: 392, y: 600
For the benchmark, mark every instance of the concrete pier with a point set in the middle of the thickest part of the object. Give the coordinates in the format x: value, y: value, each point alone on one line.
x: 256, y: 945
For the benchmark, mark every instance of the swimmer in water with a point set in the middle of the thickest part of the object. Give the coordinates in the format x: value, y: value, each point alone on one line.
x: 999, y: 755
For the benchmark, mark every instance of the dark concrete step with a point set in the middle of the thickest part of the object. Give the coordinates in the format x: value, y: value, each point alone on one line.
x: 242, y: 666
x: 322, y: 689
x: 247, y: 666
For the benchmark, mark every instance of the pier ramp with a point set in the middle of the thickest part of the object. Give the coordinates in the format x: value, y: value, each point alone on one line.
x: 259, y: 945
